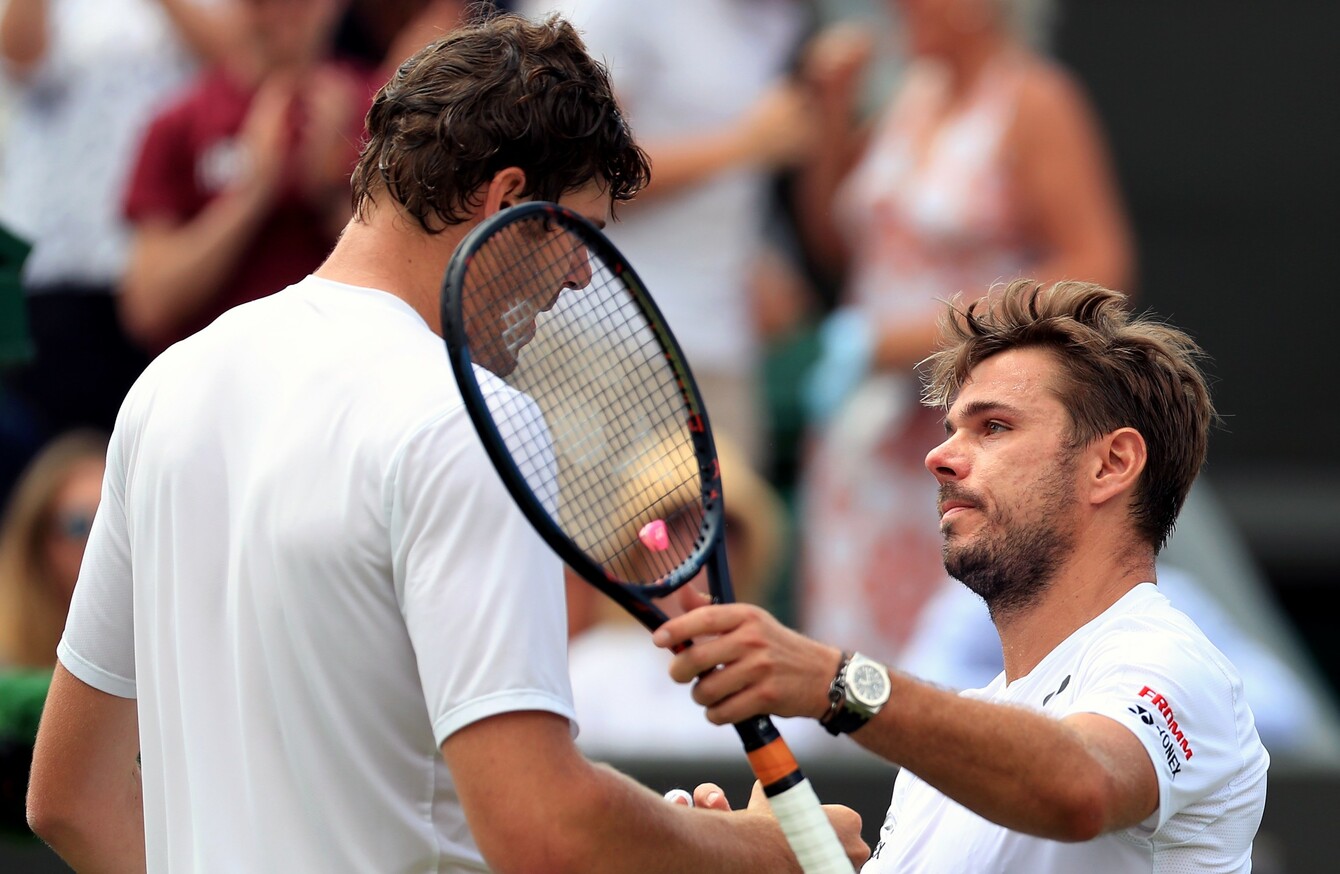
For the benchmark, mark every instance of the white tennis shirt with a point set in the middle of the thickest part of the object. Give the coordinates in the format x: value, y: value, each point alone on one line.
x: 308, y: 573
x: 1146, y: 665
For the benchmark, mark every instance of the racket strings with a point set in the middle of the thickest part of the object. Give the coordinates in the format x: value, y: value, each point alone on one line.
x: 614, y: 454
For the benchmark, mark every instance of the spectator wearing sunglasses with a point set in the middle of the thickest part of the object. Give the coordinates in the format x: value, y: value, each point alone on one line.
x: 42, y: 537
x: 42, y: 541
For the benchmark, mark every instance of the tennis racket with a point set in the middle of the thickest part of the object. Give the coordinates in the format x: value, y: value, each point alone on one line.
x: 588, y: 410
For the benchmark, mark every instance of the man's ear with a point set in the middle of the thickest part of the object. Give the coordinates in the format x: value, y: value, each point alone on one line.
x: 504, y: 190
x: 1116, y: 461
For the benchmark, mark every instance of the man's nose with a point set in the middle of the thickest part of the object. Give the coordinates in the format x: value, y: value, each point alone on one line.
x: 578, y: 273
x: 946, y: 461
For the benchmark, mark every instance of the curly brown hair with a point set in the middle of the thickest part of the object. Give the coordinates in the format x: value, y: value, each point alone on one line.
x: 1116, y: 370
x: 499, y: 91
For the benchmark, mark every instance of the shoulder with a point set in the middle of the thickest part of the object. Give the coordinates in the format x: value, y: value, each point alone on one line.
x: 1146, y: 627
x: 1046, y: 85
x: 1049, y: 100
x: 1152, y: 655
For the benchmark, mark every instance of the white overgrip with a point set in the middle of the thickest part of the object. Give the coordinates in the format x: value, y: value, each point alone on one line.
x: 808, y: 830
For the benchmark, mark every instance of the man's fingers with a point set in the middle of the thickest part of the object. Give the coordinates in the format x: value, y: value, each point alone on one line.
x: 701, y: 659
x: 710, y: 796
x: 710, y: 619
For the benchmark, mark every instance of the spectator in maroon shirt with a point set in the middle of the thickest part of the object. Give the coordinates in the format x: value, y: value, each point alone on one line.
x: 241, y: 184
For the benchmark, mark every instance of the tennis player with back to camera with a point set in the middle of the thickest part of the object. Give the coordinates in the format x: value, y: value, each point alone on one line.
x: 1118, y: 738
x: 308, y: 603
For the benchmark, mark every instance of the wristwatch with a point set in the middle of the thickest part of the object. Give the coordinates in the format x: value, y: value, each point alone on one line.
x: 859, y: 689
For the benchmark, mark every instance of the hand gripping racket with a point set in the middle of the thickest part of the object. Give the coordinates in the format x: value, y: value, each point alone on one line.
x: 588, y: 410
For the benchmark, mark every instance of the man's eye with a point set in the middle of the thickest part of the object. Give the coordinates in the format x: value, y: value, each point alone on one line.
x: 996, y: 427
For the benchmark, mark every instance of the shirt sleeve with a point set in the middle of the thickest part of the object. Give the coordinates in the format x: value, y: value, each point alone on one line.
x: 481, y: 593
x: 1286, y: 710
x: 98, y: 645
x: 1180, y: 698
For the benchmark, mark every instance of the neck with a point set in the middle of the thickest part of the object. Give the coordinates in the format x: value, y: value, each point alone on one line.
x: 1079, y: 592
x: 391, y: 254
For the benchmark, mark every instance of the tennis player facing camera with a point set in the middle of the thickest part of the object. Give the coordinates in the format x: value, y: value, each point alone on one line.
x: 308, y: 604
x: 1117, y: 739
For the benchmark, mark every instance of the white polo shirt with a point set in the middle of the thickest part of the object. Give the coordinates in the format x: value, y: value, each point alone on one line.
x: 1146, y: 665
x: 308, y: 573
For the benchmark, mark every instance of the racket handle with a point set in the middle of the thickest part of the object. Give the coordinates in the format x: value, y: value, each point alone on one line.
x: 808, y: 830
x: 793, y: 800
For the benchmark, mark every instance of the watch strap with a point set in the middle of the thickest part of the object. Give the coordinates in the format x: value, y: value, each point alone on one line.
x: 839, y: 720
x: 845, y: 722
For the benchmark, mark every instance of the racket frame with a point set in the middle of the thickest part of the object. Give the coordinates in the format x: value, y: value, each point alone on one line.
x: 797, y: 807
x: 637, y: 598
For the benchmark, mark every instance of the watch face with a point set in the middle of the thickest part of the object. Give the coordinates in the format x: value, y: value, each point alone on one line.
x: 868, y: 684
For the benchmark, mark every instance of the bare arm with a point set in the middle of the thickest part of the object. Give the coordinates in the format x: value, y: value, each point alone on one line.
x: 1067, y: 191
x: 176, y: 269
x: 327, y: 146
x: 23, y: 34
x: 435, y: 20
x: 535, y: 803
x: 834, y: 68
x: 213, y: 32
x: 1068, y: 186
x: 777, y: 131
x: 84, y: 791
x: 1068, y: 780
x: 210, y: 31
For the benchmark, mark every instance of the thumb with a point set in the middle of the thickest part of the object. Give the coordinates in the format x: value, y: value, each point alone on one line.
x: 758, y: 800
x: 710, y: 796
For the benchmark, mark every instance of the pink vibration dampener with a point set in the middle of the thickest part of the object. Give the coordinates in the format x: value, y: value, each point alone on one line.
x: 655, y: 536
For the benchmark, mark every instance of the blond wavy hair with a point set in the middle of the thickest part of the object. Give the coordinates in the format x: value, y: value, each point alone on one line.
x: 32, y: 608
x: 1117, y: 370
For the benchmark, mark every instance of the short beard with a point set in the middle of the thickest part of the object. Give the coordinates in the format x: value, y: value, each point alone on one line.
x: 1014, y: 565
x: 1010, y: 573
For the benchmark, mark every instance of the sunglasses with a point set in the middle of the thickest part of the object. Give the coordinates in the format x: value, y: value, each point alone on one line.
x: 74, y: 524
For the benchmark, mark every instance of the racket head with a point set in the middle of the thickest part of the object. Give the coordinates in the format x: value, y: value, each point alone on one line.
x: 596, y: 427
x: 584, y: 402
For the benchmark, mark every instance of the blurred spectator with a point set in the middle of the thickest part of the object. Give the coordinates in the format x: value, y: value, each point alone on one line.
x: 18, y: 432
x: 705, y: 84
x: 81, y: 79
x: 6, y: 100
x: 42, y: 539
x: 382, y: 33
x: 42, y: 543
x: 241, y: 184
x: 987, y: 165
x: 627, y: 705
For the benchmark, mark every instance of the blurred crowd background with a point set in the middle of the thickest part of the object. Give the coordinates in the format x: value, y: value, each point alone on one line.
x: 826, y: 172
